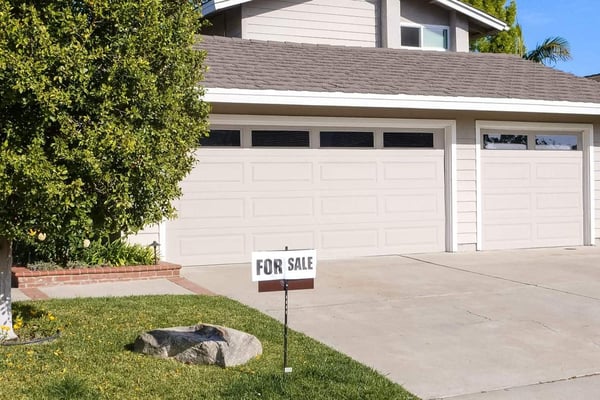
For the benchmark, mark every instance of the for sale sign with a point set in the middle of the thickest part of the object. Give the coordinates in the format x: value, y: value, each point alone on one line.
x: 284, y: 265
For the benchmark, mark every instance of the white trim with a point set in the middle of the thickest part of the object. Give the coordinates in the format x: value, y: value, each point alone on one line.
x: 589, y: 190
x: 217, y: 5
x: 422, y: 28
x: 478, y: 195
x: 451, y: 195
x: 474, y: 13
x: 587, y: 132
x: 398, y: 101
x: 162, y: 239
x: 282, y: 120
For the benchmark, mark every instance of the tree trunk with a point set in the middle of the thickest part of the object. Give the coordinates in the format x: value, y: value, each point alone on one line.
x: 5, y: 287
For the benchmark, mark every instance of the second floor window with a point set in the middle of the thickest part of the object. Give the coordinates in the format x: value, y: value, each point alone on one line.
x: 427, y: 37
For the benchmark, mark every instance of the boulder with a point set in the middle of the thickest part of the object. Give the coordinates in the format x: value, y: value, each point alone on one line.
x: 201, y: 344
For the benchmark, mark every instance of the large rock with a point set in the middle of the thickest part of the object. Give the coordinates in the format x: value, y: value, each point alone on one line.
x: 200, y: 344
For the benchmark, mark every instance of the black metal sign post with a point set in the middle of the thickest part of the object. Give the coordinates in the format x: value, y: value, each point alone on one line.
x: 286, y: 285
x: 286, y: 369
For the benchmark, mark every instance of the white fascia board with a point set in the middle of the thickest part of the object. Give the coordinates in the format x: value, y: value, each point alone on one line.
x: 212, y: 6
x: 474, y: 13
x: 399, y: 101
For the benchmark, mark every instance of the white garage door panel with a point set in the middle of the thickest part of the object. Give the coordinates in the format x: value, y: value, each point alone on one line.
x: 532, y: 199
x: 278, y: 206
x: 343, y: 202
x: 415, y: 238
x: 206, y: 243
x: 282, y: 172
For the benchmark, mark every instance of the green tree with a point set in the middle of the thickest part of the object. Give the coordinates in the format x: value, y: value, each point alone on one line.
x: 549, y: 51
x: 99, y: 114
x: 510, y: 41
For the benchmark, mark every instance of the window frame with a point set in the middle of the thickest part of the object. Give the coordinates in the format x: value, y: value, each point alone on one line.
x: 422, y: 28
x: 281, y: 132
x: 531, y: 139
x: 434, y: 139
x: 341, y: 132
x: 239, y: 145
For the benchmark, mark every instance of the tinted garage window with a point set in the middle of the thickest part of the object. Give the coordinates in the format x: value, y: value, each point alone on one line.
x: 221, y: 137
x: 346, y: 139
x: 407, y: 139
x: 280, y: 139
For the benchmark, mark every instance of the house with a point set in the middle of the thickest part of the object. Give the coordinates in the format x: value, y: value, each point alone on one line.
x: 365, y: 127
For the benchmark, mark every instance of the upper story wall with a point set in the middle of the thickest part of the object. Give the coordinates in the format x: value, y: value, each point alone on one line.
x: 422, y: 12
x: 337, y: 22
x: 368, y: 23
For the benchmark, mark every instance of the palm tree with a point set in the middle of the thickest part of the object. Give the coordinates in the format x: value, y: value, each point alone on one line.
x: 550, y: 51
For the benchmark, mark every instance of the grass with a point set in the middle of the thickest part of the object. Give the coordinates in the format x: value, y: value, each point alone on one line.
x: 93, y: 359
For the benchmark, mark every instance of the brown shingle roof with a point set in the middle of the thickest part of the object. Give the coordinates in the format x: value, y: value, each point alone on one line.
x: 249, y: 64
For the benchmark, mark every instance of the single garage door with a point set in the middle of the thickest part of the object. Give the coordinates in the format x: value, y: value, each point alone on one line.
x: 532, y: 190
x: 345, y: 193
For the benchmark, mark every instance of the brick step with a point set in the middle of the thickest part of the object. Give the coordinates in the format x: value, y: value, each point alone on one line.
x: 24, y: 278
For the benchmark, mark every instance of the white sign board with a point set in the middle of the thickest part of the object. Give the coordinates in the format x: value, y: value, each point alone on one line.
x: 276, y: 265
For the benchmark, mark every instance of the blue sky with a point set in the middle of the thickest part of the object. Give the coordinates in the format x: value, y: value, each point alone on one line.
x: 575, y: 20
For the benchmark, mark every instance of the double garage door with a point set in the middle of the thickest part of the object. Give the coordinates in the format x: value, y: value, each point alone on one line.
x: 345, y: 193
x: 368, y: 192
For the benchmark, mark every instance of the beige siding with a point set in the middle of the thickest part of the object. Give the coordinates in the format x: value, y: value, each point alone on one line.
x: 337, y: 22
x: 466, y: 183
x: 423, y: 12
x: 459, y: 28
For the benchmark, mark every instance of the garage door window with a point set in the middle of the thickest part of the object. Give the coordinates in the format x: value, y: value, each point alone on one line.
x: 346, y: 139
x: 556, y: 142
x: 280, y: 138
x: 499, y: 141
x: 408, y: 139
x: 221, y: 138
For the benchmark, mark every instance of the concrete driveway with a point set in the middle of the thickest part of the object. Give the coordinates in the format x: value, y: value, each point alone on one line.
x: 477, y: 326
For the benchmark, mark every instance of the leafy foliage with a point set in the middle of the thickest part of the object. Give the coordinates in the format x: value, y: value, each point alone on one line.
x: 550, y: 51
x: 42, y: 256
x: 116, y: 254
x: 99, y: 113
x: 510, y: 41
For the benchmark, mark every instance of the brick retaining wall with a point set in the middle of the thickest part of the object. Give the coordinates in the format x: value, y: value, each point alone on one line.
x: 25, y: 278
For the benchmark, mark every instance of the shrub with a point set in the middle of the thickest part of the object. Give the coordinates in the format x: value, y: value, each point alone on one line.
x: 117, y: 253
x: 48, y: 255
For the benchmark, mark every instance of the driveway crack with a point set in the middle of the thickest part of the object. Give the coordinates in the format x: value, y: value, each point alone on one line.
x: 508, y: 389
x: 545, y: 326
x: 475, y: 314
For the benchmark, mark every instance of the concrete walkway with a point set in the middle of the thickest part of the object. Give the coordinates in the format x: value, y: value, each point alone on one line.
x: 466, y: 326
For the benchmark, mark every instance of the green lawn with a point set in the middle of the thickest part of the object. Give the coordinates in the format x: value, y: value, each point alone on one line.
x: 92, y: 358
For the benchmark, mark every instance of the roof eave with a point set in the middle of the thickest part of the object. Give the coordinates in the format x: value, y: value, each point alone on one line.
x: 474, y: 13
x: 397, y: 101
x: 212, y: 6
